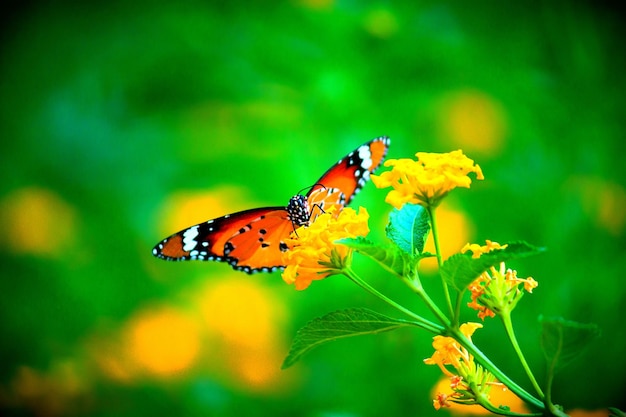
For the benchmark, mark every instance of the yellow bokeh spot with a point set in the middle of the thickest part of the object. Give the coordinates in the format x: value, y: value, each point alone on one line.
x: 473, y: 121
x: 186, y: 208
x: 242, y: 311
x: 37, y: 221
x: 454, y: 228
x: 162, y: 341
x: 603, y: 201
x: 381, y: 23
x: 246, y: 322
x: 498, y: 396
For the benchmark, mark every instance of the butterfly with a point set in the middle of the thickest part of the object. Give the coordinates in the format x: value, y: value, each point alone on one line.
x: 253, y: 240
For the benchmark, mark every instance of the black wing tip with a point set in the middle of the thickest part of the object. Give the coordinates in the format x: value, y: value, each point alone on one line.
x: 157, y: 250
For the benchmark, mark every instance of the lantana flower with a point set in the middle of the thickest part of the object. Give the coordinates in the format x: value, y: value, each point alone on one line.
x: 469, y: 382
x: 313, y: 253
x: 428, y: 179
x: 496, y: 290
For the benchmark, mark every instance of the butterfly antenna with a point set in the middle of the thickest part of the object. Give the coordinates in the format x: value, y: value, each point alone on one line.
x: 312, y: 186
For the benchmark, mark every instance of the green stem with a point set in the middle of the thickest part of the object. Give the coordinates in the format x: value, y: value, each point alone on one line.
x: 457, y: 308
x: 446, y: 291
x: 508, y: 326
x: 503, y: 412
x: 491, y: 367
x: 422, y: 322
x: 416, y: 287
x: 553, y: 409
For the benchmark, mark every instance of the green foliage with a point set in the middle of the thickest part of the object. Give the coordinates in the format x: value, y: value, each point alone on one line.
x: 461, y: 269
x: 408, y: 228
x: 562, y: 340
x: 339, y: 325
x: 389, y: 257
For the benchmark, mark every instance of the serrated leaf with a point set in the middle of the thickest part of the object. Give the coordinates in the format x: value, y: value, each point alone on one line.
x: 408, y: 228
x: 389, y: 257
x: 339, y: 325
x: 461, y: 269
x: 563, y: 340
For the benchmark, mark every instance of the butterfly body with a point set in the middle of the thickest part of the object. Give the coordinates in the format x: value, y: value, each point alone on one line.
x: 299, y: 211
x: 253, y: 240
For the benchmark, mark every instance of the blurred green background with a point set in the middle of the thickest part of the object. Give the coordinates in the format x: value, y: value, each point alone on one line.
x: 122, y: 123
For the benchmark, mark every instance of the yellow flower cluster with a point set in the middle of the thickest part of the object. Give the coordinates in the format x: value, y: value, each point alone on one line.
x: 470, y: 383
x: 449, y: 352
x: 496, y: 290
x: 428, y: 179
x: 313, y: 254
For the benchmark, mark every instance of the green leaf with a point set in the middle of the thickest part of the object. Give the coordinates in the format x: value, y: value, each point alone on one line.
x: 461, y: 269
x: 563, y: 340
x: 338, y: 325
x: 389, y: 256
x: 408, y: 228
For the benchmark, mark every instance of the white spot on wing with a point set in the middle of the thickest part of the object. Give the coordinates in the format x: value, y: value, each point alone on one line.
x: 366, y: 157
x: 189, y: 238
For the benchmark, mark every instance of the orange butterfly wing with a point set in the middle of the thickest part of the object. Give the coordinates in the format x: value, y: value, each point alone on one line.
x: 249, y: 240
x: 322, y: 199
x: 352, y: 172
x: 259, y: 245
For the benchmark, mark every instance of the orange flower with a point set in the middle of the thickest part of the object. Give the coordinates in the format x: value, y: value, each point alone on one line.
x: 496, y: 290
x: 471, y: 383
x: 449, y: 352
x: 427, y: 180
x: 313, y: 254
x: 443, y: 400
